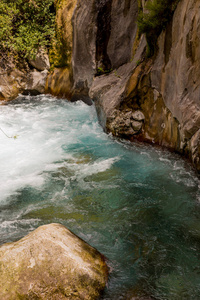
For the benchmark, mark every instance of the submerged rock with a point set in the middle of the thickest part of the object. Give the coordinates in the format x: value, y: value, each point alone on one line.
x: 51, y: 263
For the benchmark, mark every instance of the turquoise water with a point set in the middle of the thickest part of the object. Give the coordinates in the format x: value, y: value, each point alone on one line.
x: 136, y: 204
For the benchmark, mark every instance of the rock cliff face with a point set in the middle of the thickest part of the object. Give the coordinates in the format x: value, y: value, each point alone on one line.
x: 175, y: 75
x: 114, y: 71
x: 103, y: 35
x: 59, y: 81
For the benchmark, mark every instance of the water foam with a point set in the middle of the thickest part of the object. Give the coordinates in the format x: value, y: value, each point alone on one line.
x: 41, y: 131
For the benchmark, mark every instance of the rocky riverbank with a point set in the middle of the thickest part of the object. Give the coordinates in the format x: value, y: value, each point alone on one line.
x: 105, y: 60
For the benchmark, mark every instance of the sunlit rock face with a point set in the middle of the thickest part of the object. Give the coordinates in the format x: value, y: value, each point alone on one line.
x: 59, y: 83
x: 51, y: 263
x: 60, y: 80
x: 12, y: 82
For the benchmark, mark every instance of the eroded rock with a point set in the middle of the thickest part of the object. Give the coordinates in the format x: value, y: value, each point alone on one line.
x: 12, y: 82
x: 41, y: 60
x: 125, y: 123
x: 104, y: 34
x: 16, y: 78
x: 59, y: 83
x: 84, y: 46
x: 165, y: 88
x: 36, y: 83
x: 51, y: 263
x: 109, y: 91
x: 60, y: 79
x: 138, y: 116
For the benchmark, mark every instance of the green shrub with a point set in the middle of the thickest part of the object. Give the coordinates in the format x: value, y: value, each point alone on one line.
x: 26, y: 25
x: 154, y: 20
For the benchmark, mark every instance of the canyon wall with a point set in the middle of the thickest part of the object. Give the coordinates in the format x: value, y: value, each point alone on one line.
x: 150, y: 99
x: 154, y: 99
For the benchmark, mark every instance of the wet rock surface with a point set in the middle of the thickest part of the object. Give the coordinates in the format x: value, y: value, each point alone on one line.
x: 51, y: 263
x: 60, y: 78
x: 36, y: 83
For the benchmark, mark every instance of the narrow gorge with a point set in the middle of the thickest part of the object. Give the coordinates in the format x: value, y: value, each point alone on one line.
x: 104, y: 60
x: 100, y: 132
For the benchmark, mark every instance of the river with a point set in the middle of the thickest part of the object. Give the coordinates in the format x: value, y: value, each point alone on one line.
x: 137, y: 204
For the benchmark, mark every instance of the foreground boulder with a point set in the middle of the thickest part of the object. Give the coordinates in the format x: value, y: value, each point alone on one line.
x: 51, y: 263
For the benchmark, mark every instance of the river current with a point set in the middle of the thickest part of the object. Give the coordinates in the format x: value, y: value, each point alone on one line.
x: 138, y: 205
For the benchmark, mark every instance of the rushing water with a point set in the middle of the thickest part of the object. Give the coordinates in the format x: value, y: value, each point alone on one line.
x: 138, y: 205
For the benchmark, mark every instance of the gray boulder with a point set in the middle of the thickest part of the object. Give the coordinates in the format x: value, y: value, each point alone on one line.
x: 41, y: 61
x: 36, y: 82
x: 51, y: 263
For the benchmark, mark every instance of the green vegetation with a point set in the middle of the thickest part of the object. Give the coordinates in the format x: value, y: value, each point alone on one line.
x: 58, y: 54
x: 116, y: 74
x: 138, y: 62
x: 26, y: 25
x: 101, y: 71
x: 155, y: 18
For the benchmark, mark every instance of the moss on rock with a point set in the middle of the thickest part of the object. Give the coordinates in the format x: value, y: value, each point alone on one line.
x: 51, y: 263
x: 61, y: 50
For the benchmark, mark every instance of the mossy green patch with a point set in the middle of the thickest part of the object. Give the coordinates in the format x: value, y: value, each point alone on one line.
x: 153, y: 19
x: 61, y: 47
